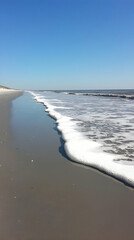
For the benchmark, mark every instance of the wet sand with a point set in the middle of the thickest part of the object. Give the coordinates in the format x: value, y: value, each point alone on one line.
x: 45, y: 196
x: 7, y: 160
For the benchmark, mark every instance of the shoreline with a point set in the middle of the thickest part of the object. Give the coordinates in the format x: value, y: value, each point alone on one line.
x: 45, y: 196
x: 69, y: 155
x: 88, y: 166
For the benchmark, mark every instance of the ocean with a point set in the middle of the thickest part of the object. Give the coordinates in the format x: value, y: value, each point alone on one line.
x: 97, y: 127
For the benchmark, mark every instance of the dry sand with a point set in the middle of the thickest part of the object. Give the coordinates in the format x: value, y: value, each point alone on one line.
x: 44, y: 196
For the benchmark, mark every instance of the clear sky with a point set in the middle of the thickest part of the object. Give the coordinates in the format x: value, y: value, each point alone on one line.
x: 67, y: 44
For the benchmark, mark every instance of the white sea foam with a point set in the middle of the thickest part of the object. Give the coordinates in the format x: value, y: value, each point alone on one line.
x: 84, y: 150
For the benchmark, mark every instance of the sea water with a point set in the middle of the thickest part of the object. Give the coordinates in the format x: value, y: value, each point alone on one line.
x: 97, y: 127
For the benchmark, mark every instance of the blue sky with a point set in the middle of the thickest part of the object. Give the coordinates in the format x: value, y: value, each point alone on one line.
x: 67, y: 44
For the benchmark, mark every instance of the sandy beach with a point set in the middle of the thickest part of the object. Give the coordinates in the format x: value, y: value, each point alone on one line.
x: 45, y: 196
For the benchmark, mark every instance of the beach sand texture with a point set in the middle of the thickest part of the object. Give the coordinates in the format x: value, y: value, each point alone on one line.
x: 45, y: 196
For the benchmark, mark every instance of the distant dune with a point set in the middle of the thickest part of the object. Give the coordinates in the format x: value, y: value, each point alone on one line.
x: 3, y: 87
